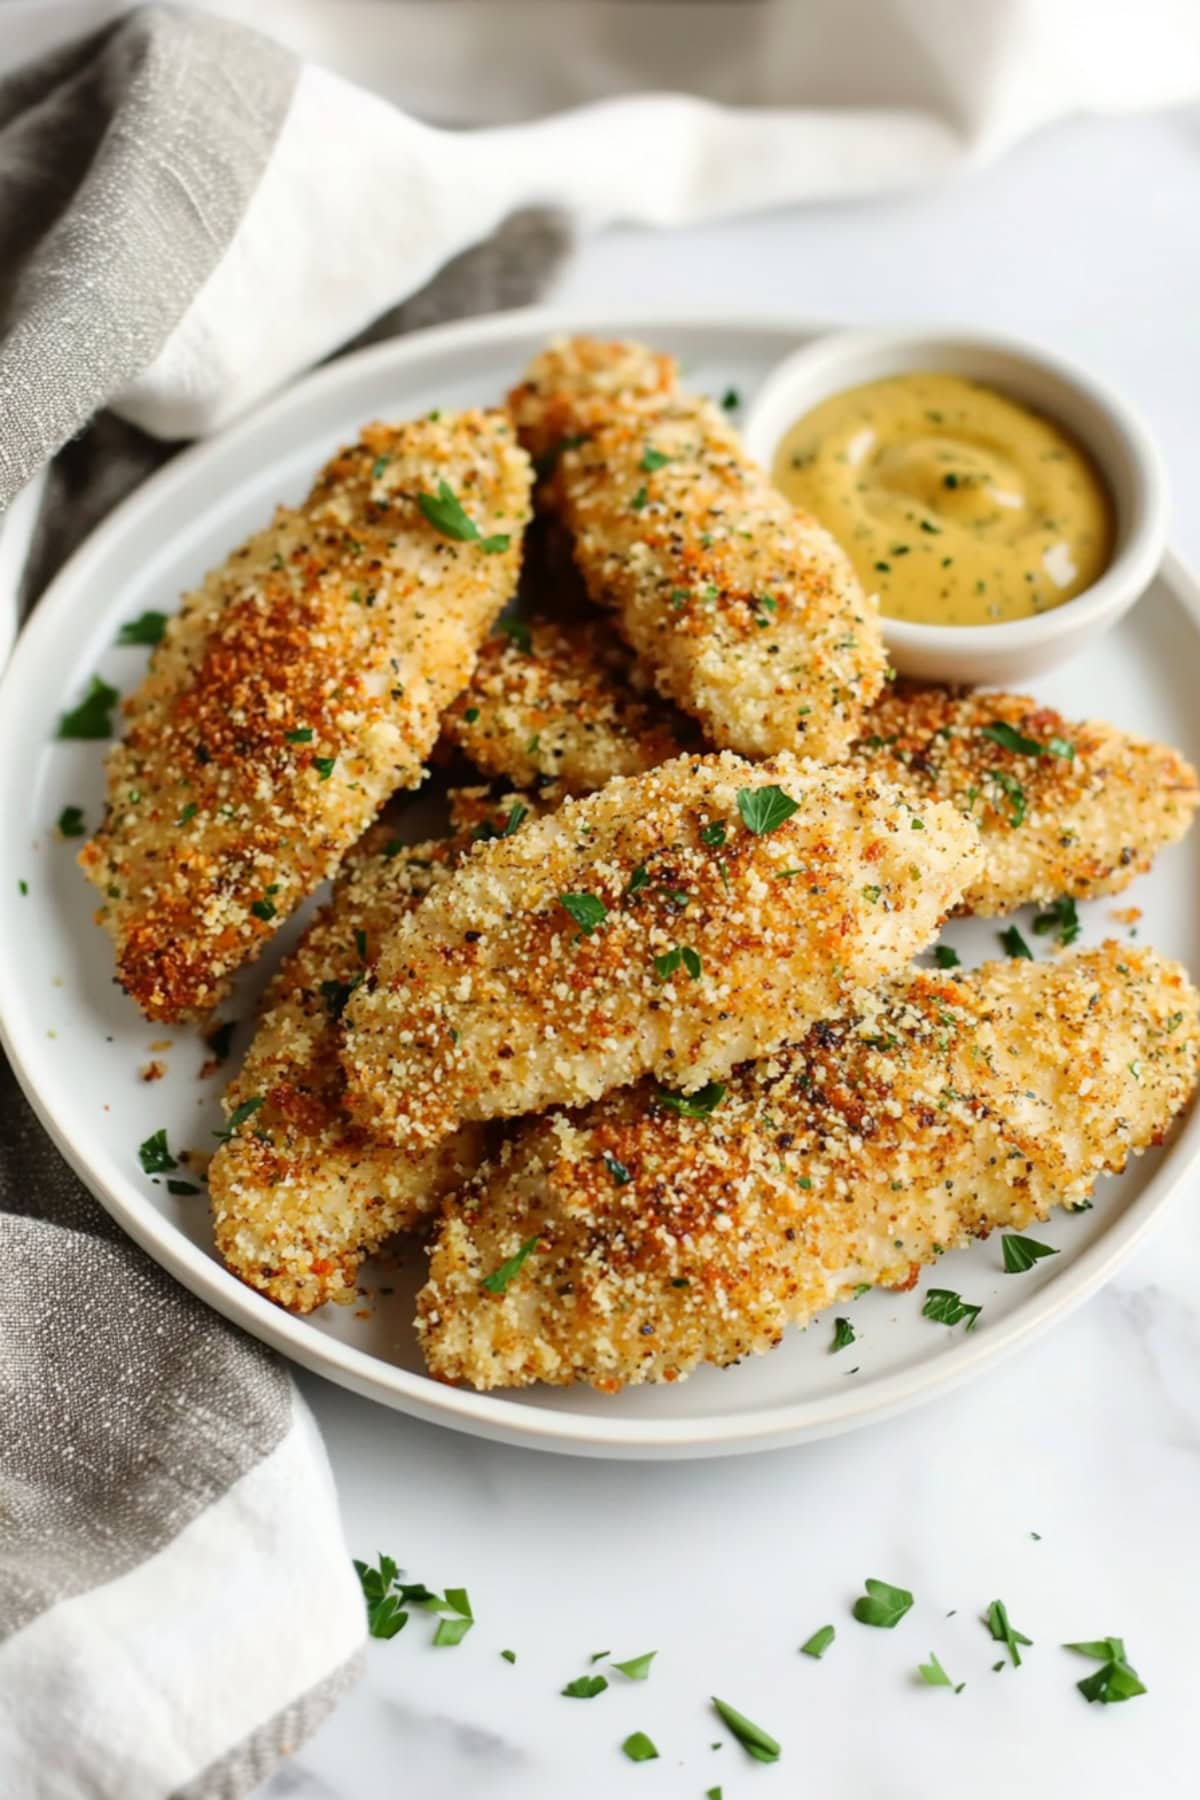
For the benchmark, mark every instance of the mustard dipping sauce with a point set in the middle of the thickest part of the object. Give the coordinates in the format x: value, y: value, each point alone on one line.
x: 956, y: 505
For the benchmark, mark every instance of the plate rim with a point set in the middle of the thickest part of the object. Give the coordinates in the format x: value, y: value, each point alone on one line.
x: 501, y: 1416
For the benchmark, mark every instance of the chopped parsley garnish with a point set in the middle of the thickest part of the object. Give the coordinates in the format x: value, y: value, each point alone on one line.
x: 1015, y: 795
x: 516, y: 815
x: 731, y: 399
x: 445, y: 513
x: 336, y: 994
x: 1009, y: 738
x: 1014, y: 944
x: 517, y: 631
x: 385, y: 1614
x: 187, y: 812
x: 182, y: 1187
x: 303, y: 736
x: 360, y: 944
x: 454, y: 1630
x: 667, y: 964
x: 998, y: 1623
x: 933, y: 1673
x: 531, y: 746
x: 1020, y: 1253
x: 638, y: 880
x: 639, y: 1748
x: 469, y: 718
x: 754, y: 1740
x: 324, y: 766
x: 638, y: 1667
x: 1061, y: 916
x: 378, y: 466
x: 946, y: 956
x: 818, y: 1643
x: 146, y: 630
x: 693, y: 1106
x: 588, y: 912
x: 154, y: 1155
x: 497, y: 1282
x: 640, y: 499
x: 585, y: 1687
x: 844, y: 1335
x: 765, y: 808
x: 92, y: 718
x: 23, y: 888
x: 945, y: 1307
x: 620, y: 1174
x: 510, y: 1656
x: 653, y: 459
x: 263, y: 909
x: 71, y: 822
x: 1116, y: 1680
x: 714, y: 834
x: 544, y: 462
x: 882, y: 1604
x: 220, y: 1038
x: 239, y: 1115
x: 1061, y: 747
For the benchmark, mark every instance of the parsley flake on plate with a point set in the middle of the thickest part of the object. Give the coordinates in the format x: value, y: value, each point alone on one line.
x: 92, y: 718
x: 154, y: 1156
x: 754, y: 1740
x: 1020, y: 1253
x: 945, y: 1307
x: 1062, y: 916
x: 946, y: 956
x: 844, y: 1335
x: 220, y: 1038
x: 148, y: 629
x: 818, y: 1643
x: 764, y: 809
x: 510, y: 1656
x: 882, y: 1604
x: 445, y: 512
x: 182, y: 1188
x: 1014, y: 944
x: 497, y: 1282
x: 71, y: 822
x: 639, y: 1748
x: 588, y: 912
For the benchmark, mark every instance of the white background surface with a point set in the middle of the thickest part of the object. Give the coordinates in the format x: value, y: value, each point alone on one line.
x: 1088, y: 238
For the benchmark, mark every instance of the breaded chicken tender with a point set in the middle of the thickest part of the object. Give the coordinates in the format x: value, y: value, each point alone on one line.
x: 1063, y: 807
x: 749, y: 615
x: 297, y: 688
x: 629, y: 1242
x: 299, y: 1193
x: 560, y: 703
x: 674, y: 923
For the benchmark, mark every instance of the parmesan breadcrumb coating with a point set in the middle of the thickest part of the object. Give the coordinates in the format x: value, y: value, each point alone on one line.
x: 561, y: 705
x: 296, y: 689
x: 299, y: 1193
x: 674, y: 923
x: 748, y: 613
x: 938, y: 1110
x: 1062, y: 806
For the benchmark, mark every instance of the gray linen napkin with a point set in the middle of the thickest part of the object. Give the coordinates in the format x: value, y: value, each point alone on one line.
x: 163, y: 1494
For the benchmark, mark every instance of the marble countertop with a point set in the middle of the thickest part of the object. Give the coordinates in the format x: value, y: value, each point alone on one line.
x: 1065, y: 1482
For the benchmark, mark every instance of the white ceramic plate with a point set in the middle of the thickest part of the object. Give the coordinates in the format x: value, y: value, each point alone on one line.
x: 78, y: 1044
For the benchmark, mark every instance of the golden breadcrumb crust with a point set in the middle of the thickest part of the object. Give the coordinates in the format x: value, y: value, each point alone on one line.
x: 646, y: 929
x: 299, y: 1193
x: 747, y: 612
x: 296, y: 689
x: 1081, y: 814
x: 932, y: 1113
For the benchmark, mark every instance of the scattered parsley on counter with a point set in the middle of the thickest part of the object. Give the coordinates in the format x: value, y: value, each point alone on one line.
x: 588, y: 912
x: 764, y: 809
x: 699, y: 1105
x: 585, y: 1687
x: 754, y: 1740
x: 933, y: 1673
x: 945, y: 1307
x: 510, y: 1656
x: 844, y: 1335
x: 154, y: 1156
x: 445, y: 513
x: 1116, y: 1680
x: 92, y: 718
x: 385, y: 1615
x: 882, y: 1604
x: 638, y: 1667
x: 1014, y: 944
x: 148, y: 629
x: 453, y: 1630
x: 818, y: 1643
x: 497, y: 1282
x: 71, y: 823
x: 639, y: 1748
x: 1004, y: 1632
x: 1020, y: 1253
x: 946, y: 957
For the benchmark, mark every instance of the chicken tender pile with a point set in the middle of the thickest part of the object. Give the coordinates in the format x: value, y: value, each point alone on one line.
x: 299, y: 687
x: 747, y: 612
x: 647, y: 1241
x: 674, y: 924
x: 633, y: 1036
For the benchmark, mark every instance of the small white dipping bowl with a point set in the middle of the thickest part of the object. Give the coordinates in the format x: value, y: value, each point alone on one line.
x: 1122, y: 448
